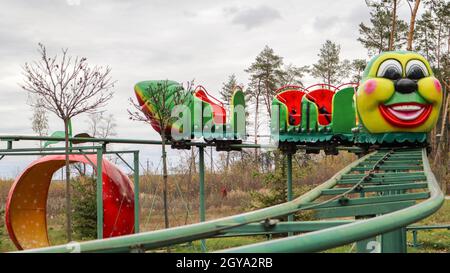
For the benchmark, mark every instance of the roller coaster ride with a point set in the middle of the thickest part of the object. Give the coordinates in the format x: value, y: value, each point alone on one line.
x: 385, y: 119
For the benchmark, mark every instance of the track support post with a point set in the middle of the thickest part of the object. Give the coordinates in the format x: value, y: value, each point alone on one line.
x: 136, y: 190
x: 201, y: 152
x: 289, y: 150
x: 289, y: 185
x: 99, y: 194
x: 394, y: 241
x: 369, y: 245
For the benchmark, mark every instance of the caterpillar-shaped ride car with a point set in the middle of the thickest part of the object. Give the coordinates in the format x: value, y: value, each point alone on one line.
x: 397, y: 101
x: 201, y: 115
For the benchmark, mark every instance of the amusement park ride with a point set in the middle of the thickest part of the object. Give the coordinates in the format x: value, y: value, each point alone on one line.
x: 384, y: 119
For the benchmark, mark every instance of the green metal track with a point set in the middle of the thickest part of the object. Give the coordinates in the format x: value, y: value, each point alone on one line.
x: 389, y: 224
x: 380, y: 190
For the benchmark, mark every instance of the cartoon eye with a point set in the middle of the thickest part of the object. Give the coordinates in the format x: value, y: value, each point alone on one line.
x: 416, y: 70
x: 390, y: 69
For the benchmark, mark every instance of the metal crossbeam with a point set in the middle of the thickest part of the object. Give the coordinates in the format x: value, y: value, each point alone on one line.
x: 381, y: 180
x: 400, y: 186
x: 281, y: 227
x: 362, y: 210
x: 387, y: 214
x: 396, y: 174
x: 371, y: 200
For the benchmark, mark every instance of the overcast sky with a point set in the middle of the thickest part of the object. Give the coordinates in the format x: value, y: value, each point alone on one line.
x: 204, y: 40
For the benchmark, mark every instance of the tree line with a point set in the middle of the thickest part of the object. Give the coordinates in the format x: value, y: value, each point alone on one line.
x: 428, y: 34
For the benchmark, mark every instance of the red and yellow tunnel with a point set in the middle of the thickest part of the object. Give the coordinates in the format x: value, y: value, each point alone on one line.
x: 26, y: 217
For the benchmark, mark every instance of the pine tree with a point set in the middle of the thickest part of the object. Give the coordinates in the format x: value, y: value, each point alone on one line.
x: 357, y: 68
x: 412, y: 22
x: 432, y: 39
x: 376, y: 37
x: 329, y: 68
x: 433, y: 35
x: 228, y: 88
x: 425, y: 36
x: 293, y: 75
x: 265, y: 74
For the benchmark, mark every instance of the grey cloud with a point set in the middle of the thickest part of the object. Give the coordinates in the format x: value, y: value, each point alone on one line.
x: 344, y: 25
x: 230, y: 10
x: 325, y: 23
x: 190, y: 13
x: 158, y: 39
x: 253, y: 17
x: 360, y: 13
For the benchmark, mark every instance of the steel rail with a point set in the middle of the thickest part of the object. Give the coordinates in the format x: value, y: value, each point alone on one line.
x: 187, y: 233
x: 14, y: 138
x: 356, y: 231
x: 310, y: 242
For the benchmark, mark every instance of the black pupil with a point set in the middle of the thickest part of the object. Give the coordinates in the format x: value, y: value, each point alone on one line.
x: 392, y: 73
x: 415, y: 73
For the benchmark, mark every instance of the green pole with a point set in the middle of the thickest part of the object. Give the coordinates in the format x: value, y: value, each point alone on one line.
x: 368, y: 245
x: 136, y: 191
x: 99, y: 194
x: 394, y: 241
x: 415, y: 239
x: 289, y: 185
x: 201, y: 152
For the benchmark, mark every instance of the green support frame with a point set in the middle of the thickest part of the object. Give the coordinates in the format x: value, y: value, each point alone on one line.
x: 289, y: 185
x: 99, y: 194
x: 99, y: 151
x: 393, y: 209
x: 201, y: 152
x: 136, y: 191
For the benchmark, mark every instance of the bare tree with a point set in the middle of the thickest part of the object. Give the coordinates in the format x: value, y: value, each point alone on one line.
x: 101, y: 125
x: 67, y: 87
x: 39, y: 120
x: 161, y: 98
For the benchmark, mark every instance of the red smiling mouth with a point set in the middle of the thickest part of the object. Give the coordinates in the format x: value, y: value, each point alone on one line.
x: 406, y: 114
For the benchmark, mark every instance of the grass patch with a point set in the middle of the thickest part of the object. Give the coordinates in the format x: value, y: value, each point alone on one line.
x: 432, y: 241
x: 215, y: 244
x: 437, y: 240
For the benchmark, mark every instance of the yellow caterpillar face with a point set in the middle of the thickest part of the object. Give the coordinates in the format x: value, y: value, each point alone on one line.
x: 398, y: 93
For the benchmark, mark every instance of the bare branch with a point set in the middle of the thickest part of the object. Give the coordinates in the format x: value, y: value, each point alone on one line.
x: 67, y: 86
x: 161, y: 99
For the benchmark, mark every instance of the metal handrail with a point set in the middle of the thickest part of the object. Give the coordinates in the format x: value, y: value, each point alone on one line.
x: 187, y: 233
x: 353, y: 84
x: 323, y: 86
x: 360, y: 230
x: 293, y: 87
x: 7, y: 138
x: 310, y: 242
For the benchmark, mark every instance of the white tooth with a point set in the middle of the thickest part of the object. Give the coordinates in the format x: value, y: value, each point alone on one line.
x: 406, y: 107
x: 404, y: 116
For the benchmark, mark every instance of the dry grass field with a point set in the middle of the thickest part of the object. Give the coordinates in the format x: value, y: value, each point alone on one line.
x: 183, y: 201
